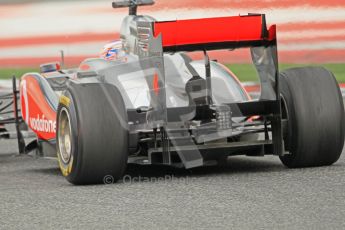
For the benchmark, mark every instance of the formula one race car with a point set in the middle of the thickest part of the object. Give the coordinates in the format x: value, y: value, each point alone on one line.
x: 148, y: 102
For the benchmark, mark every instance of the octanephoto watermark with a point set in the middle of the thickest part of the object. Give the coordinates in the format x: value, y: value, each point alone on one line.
x: 128, y: 179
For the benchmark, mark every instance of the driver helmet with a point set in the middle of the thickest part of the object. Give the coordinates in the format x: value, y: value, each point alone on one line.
x: 113, y: 51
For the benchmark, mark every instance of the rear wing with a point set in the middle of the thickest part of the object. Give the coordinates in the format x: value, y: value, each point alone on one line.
x: 214, y: 33
x: 153, y: 39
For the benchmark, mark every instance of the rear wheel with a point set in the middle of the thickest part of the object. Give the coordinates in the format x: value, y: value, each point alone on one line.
x: 315, y: 112
x: 92, y: 134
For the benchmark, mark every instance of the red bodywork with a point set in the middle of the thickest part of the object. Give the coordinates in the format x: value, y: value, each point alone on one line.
x: 36, y: 110
x: 237, y: 31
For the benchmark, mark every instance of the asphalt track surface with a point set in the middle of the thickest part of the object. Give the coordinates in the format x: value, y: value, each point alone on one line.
x: 248, y: 193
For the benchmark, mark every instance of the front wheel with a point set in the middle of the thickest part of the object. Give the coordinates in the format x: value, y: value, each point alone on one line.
x: 315, y: 112
x: 92, y: 134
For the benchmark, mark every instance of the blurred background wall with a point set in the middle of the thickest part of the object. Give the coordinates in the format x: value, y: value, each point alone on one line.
x: 33, y: 32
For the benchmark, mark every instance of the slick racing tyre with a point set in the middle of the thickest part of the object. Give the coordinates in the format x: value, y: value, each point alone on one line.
x: 92, y: 134
x: 314, y: 108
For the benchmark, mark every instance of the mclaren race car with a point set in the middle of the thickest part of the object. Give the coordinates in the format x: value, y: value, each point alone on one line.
x: 146, y: 101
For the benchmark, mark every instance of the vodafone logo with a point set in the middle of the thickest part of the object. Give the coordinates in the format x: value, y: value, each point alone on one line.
x: 33, y: 116
x: 42, y: 124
